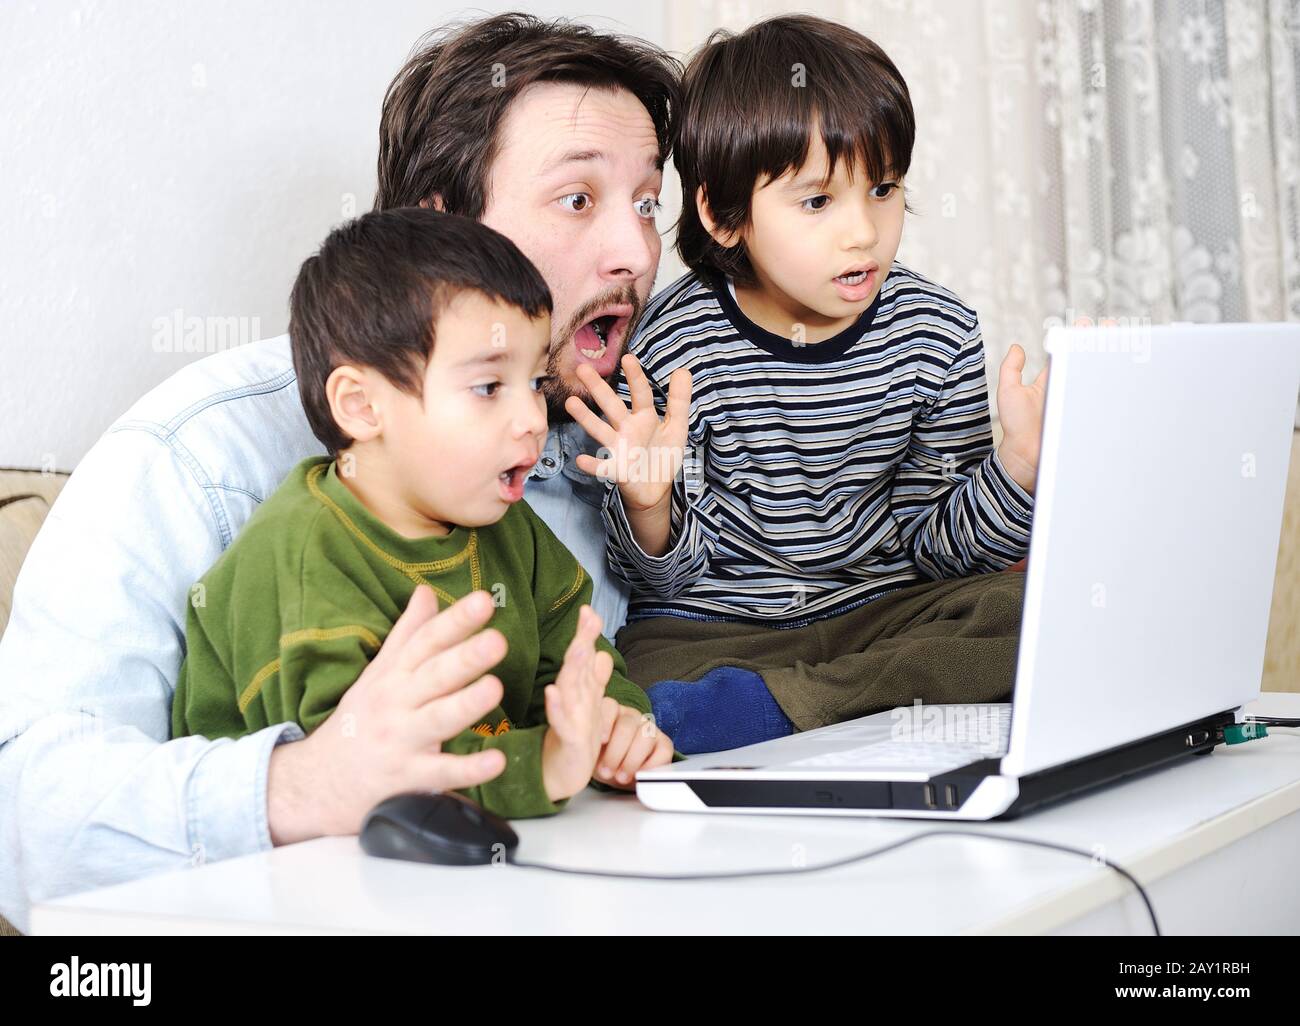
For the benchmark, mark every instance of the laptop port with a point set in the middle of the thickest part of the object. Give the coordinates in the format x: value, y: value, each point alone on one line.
x: 930, y: 803
x: 950, y: 796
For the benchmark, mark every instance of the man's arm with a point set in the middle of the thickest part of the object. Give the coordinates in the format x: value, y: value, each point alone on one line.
x: 93, y: 790
x: 960, y: 510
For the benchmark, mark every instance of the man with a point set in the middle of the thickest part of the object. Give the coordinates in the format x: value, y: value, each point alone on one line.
x: 551, y: 133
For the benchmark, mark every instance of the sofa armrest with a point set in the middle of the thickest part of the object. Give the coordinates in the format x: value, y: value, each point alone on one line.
x: 25, y: 498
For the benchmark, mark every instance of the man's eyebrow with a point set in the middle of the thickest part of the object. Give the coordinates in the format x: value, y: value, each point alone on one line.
x: 572, y: 157
x: 655, y: 163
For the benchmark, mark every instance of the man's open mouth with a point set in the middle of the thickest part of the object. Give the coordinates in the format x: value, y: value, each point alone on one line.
x: 601, y: 327
x: 599, y: 342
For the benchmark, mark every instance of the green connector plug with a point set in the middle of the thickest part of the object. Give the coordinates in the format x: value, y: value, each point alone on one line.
x: 1237, y: 733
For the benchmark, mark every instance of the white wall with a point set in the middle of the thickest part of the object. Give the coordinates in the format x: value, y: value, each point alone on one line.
x: 180, y: 156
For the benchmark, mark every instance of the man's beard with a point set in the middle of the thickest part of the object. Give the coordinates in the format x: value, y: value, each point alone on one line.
x: 557, y: 390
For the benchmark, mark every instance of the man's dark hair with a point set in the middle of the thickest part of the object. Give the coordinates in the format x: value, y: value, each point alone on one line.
x: 372, y: 295
x: 750, y: 104
x: 443, y: 112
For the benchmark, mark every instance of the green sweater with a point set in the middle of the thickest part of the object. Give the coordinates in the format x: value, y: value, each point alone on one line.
x: 285, y: 621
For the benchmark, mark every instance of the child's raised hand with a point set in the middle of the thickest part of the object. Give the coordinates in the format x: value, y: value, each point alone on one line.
x: 632, y: 742
x: 573, y: 710
x: 1020, y: 409
x: 646, y: 451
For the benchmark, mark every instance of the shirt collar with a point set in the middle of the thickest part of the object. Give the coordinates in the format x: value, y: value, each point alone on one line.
x: 563, y: 444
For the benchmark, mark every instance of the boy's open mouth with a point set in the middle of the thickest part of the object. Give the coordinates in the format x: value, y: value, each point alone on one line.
x: 511, y: 481
x: 599, y: 342
x: 856, y: 283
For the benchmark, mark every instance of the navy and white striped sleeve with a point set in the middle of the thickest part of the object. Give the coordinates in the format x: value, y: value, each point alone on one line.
x: 960, y: 511
x: 692, y: 537
x: 692, y: 531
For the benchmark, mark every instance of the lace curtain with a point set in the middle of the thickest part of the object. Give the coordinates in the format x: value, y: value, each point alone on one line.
x: 1096, y: 158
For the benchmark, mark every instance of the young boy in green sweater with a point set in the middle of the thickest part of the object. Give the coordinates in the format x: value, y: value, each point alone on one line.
x: 420, y: 341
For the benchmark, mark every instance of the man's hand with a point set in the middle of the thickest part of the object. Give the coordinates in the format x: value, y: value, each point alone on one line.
x: 632, y: 742
x: 646, y: 450
x: 427, y: 683
x: 1020, y: 409
x: 573, y: 706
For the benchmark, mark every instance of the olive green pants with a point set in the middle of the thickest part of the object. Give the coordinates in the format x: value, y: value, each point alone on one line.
x: 940, y: 641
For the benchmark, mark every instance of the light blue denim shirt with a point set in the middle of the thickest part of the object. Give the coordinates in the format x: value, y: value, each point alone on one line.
x: 93, y: 790
x: 551, y: 490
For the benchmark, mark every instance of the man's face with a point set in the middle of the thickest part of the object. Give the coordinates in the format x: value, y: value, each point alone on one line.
x: 820, y: 251
x: 575, y: 185
x: 463, y: 450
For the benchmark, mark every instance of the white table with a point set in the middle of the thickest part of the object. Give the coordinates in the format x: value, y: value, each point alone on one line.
x: 1224, y: 828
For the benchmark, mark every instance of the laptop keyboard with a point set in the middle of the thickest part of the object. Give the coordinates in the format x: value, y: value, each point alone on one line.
x: 906, y: 753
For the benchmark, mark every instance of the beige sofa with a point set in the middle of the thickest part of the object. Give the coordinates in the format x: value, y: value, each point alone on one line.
x: 25, y: 498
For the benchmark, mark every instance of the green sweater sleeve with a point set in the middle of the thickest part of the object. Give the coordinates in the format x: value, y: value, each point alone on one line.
x: 517, y: 792
x: 277, y: 633
x: 205, y: 700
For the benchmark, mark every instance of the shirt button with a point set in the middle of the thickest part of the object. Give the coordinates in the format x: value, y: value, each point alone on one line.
x: 547, y: 462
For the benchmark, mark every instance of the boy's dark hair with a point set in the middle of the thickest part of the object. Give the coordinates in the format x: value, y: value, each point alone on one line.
x: 443, y: 112
x: 372, y: 295
x: 750, y: 104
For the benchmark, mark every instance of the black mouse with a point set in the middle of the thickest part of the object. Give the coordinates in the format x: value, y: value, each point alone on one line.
x: 443, y: 828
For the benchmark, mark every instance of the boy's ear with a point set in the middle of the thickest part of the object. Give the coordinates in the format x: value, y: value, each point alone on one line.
x: 350, y: 392
x: 725, y: 239
x: 434, y: 201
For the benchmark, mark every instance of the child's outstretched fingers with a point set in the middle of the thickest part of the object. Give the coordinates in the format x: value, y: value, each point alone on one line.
x: 601, y: 668
x: 624, y: 732
x: 644, y: 741
x: 586, y: 632
x: 659, y: 755
x: 1012, y: 365
x: 580, y: 645
x: 609, y: 709
x: 663, y: 753
x: 555, y: 712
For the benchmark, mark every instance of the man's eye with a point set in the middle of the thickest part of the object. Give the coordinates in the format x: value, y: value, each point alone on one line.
x: 491, y: 387
x: 891, y: 186
x: 648, y: 206
x: 585, y: 198
x: 818, y: 203
x: 540, y: 382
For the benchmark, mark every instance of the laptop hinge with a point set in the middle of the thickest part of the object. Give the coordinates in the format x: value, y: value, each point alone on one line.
x: 1198, y: 737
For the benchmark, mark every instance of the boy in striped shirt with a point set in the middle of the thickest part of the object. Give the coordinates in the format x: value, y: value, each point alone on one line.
x: 830, y: 548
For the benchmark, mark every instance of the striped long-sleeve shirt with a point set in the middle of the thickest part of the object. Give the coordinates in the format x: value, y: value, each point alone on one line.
x: 819, y: 477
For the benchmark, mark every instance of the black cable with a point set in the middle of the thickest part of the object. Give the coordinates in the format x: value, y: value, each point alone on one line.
x: 848, y: 860
x: 1275, y: 721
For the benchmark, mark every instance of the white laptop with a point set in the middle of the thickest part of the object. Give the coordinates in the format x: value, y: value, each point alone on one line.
x: 1157, y: 518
